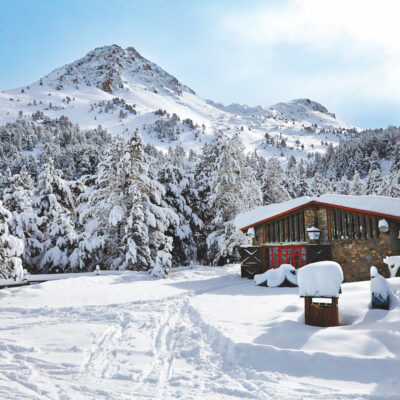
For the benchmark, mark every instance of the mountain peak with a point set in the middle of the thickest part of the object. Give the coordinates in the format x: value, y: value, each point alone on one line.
x: 113, y: 69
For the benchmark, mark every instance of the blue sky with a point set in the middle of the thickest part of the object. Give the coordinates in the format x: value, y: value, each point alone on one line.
x: 343, y: 53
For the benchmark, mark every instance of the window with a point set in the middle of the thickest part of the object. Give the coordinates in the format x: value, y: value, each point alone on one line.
x: 353, y: 226
x: 293, y: 232
x: 371, y: 228
x: 349, y: 226
x: 360, y: 227
x: 366, y: 228
x: 298, y: 228
x: 335, y: 225
x: 341, y: 230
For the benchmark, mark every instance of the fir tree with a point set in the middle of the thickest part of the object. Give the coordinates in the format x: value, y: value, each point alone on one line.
x: 178, y: 183
x: 57, y: 230
x: 357, y: 187
x: 124, y: 222
x: 344, y: 186
x: 24, y: 222
x: 373, y: 181
x: 11, y: 249
x: 317, y: 185
x: 273, y: 189
x: 233, y: 189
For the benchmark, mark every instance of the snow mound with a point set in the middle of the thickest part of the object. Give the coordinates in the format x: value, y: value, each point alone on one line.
x: 275, y: 277
x: 320, y: 279
x: 381, y: 289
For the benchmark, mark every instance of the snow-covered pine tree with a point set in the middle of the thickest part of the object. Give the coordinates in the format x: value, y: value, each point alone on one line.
x: 233, y: 189
x: 344, y: 186
x: 11, y: 249
x: 374, y: 162
x: 147, y: 220
x: 57, y: 230
x: 273, y: 189
x: 5, y: 179
x: 395, y: 164
x: 177, y: 180
x: 24, y: 223
x: 124, y: 222
x: 100, y: 240
x: 374, y: 180
x: 299, y: 183
x: 357, y: 187
x: 391, y: 185
x: 258, y: 164
x: 317, y: 185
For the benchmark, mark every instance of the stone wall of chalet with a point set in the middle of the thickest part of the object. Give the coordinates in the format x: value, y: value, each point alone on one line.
x: 357, y: 256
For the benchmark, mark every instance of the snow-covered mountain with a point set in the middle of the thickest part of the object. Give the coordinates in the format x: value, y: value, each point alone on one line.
x: 121, y: 90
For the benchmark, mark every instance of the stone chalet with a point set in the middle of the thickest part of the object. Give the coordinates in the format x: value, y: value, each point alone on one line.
x: 355, y: 231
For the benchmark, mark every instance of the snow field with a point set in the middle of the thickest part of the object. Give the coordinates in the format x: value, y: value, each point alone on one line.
x: 204, y: 333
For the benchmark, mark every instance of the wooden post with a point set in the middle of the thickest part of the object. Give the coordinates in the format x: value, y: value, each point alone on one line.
x: 321, y: 314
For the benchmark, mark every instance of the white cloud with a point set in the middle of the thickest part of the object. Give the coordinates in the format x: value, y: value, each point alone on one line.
x: 333, y: 50
x: 362, y: 24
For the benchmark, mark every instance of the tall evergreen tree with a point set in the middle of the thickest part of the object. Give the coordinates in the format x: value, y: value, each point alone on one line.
x: 125, y: 223
x: 11, y: 249
x: 374, y: 180
x: 57, y: 230
x: 233, y: 189
x: 317, y: 185
x: 178, y: 183
x: 344, y: 186
x: 357, y: 187
x: 273, y: 189
x: 24, y: 223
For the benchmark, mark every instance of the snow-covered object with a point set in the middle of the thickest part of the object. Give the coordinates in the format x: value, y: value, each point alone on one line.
x: 320, y: 279
x: 251, y: 232
x: 275, y: 277
x: 381, y: 289
x: 393, y: 263
x: 54, y: 203
x: 123, y: 217
x: 378, y: 204
x: 229, y: 186
x: 383, y: 225
x: 11, y: 248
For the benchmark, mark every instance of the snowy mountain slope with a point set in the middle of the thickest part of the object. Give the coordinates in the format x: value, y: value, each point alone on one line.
x: 120, y: 89
x: 203, y: 333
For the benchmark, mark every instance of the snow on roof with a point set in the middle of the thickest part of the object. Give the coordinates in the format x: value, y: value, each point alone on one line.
x: 320, y: 279
x: 387, y: 206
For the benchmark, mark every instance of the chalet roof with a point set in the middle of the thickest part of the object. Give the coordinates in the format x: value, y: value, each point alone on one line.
x: 387, y: 207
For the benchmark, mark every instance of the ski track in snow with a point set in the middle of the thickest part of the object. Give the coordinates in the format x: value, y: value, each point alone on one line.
x: 157, y: 349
